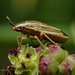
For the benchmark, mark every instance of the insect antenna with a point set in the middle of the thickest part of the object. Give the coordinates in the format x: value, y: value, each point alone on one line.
x: 10, y: 21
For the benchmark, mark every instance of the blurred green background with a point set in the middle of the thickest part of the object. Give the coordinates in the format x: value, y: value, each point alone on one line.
x: 58, y: 13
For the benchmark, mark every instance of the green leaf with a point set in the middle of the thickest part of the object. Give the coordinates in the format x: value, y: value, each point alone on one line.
x: 32, y: 52
x: 27, y: 72
x: 37, y: 57
x: 13, y: 59
x: 32, y: 66
x: 45, y: 52
x: 19, y: 70
x: 45, y: 45
x: 66, y: 53
x: 22, y: 47
x: 59, y: 55
x: 24, y: 51
x: 23, y: 71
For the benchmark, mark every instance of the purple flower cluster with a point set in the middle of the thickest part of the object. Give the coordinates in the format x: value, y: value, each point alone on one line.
x: 14, y: 51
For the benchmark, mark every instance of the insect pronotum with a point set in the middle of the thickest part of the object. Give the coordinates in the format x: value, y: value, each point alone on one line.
x: 40, y: 31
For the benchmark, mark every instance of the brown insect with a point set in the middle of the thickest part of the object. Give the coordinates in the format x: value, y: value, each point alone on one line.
x: 40, y: 31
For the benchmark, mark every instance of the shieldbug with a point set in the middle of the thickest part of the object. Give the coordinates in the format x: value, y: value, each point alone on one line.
x: 40, y: 31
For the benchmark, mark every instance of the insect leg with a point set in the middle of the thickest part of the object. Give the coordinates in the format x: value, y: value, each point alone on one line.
x: 48, y: 38
x: 35, y: 37
x: 31, y: 39
x: 21, y: 38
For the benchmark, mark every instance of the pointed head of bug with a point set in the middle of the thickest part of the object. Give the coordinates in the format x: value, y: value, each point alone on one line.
x: 14, y: 27
x: 18, y: 27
